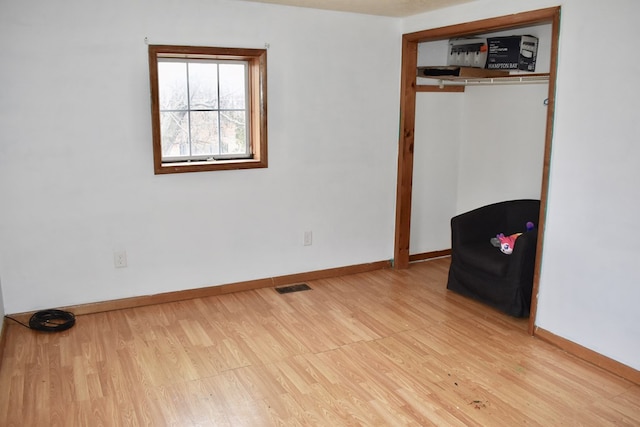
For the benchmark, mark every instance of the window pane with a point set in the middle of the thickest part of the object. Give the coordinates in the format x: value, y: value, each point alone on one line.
x: 233, y: 139
x: 232, y: 82
x: 174, y: 133
x: 172, y: 85
x: 203, y: 86
x: 204, y: 132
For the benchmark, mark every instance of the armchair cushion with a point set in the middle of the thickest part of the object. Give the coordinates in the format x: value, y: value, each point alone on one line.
x: 484, y: 256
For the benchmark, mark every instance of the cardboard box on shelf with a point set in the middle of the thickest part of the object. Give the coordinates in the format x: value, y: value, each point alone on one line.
x: 512, y: 53
x: 468, y: 52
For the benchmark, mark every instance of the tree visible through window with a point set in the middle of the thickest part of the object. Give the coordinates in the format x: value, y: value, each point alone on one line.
x: 209, y: 108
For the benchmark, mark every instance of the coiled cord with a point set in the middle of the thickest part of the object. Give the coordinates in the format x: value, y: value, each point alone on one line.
x: 49, y: 320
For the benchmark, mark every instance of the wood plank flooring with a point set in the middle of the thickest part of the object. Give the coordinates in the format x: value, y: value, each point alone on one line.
x: 384, y: 348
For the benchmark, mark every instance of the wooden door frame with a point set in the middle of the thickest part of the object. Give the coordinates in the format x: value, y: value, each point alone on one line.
x: 408, y: 118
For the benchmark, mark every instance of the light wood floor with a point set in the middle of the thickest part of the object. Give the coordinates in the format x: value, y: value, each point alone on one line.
x: 375, y: 349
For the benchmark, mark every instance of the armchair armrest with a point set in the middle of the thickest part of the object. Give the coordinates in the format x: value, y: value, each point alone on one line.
x: 523, y: 257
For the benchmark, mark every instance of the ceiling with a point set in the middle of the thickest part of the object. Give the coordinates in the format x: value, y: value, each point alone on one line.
x: 394, y: 8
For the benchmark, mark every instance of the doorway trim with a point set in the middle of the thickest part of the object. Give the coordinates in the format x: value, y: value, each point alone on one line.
x: 408, y: 119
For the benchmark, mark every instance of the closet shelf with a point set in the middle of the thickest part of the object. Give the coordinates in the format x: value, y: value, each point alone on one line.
x: 479, y: 76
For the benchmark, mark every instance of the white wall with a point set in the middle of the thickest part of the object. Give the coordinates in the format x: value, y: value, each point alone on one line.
x: 502, y: 144
x: 76, y: 173
x: 590, y: 266
x: 435, y: 172
x: 589, y: 283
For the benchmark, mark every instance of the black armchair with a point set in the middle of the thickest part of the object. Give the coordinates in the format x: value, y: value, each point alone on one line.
x: 481, y: 271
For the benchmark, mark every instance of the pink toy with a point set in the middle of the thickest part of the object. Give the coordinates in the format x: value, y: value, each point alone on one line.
x: 507, y: 242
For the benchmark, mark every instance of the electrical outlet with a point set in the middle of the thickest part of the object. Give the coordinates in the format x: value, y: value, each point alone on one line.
x: 120, y: 259
x: 308, y: 238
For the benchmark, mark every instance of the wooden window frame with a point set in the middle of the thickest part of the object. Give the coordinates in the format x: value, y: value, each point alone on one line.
x: 257, y: 88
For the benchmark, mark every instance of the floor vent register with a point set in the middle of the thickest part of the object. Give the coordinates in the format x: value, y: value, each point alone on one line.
x: 293, y: 288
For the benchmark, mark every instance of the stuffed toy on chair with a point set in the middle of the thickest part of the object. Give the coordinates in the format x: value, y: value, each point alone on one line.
x: 506, y: 243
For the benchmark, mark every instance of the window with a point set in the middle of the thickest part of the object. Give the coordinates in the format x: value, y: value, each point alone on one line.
x: 209, y: 108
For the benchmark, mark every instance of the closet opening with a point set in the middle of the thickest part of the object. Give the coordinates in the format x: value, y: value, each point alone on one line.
x: 409, y: 88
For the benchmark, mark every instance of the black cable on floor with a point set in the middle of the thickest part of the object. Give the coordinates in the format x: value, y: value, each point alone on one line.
x: 49, y: 320
x: 17, y: 321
